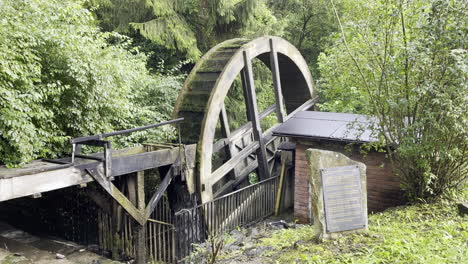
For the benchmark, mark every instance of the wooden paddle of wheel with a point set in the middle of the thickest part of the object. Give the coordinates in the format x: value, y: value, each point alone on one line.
x: 201, y: 103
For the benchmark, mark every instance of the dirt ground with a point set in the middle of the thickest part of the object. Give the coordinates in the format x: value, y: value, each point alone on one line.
x: 19, y: 247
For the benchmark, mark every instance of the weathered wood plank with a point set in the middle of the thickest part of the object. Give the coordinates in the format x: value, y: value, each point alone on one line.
x: 252, y: 110
x: 140, y: 230
x: 267, y: 111
x: 280, y: 111
x: 14, y: 186
x: 26, y: 185
x: 241, y: 131
x: 158, y: 194
x: 118, y: 196
x: 143, y: 161
x: 230, y: 164
x: 225, y: 122
x: 38, y: 166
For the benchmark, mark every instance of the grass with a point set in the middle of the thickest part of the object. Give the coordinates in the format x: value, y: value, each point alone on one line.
x: 423, y: 233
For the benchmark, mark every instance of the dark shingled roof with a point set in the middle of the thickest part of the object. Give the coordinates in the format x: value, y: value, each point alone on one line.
x: 329, y: 126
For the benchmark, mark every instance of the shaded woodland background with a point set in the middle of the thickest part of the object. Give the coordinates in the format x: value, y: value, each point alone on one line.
x: 71, y: 68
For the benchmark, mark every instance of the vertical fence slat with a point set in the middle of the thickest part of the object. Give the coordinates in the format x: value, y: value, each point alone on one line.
x: 241, y: 207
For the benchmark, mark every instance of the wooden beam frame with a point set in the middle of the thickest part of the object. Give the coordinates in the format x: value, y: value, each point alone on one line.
x: 16, y: 183
x: 280, y: 111
x: 137, y: 211
x: 244, y: 153
x: 118, y: 196
x: 248, y: 85
x: 160, y: 191
x: 208, y: 84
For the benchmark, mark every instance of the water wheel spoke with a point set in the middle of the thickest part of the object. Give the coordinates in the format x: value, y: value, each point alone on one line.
x: 202, y: 102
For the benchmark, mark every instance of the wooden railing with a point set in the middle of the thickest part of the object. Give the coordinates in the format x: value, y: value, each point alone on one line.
x: 170, y: 237
x: 160, y: 235
x: 223, y: 214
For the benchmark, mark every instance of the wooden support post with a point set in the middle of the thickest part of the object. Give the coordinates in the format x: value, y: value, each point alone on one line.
x: 280, y: 111
x: 118, y: 196
x: 225, y: 122
x: 108, y: 159
x: 226, y: 132
x: 136, y: 194
x: 280, y: 185
x: 252, y: 113
x: 140, y: 230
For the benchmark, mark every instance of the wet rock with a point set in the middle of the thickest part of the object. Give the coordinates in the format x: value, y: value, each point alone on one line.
x: 93, y: 248
x: 13, y: 259
x: 238, y: 236
x: 254, y: 232
x: 232, y: 247
x: 249, y: 244
x: 256, y: 251
x: 281, y: 224
x: 299, y: 243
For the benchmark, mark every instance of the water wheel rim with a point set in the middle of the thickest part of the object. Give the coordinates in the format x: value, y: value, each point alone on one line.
x: 210, y: 81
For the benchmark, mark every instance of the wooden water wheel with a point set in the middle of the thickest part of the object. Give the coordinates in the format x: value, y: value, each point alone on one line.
x: 202, y: 103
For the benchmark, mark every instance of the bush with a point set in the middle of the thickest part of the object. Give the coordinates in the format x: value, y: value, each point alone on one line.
x: 60, y: 77
x: 405, y: 62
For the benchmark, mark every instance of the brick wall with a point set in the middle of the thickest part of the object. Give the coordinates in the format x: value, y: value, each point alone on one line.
x: 301, y: 186
x: 383, y: 188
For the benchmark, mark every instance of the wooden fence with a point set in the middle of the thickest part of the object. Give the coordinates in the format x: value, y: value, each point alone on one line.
x: 160, y: 235
x: 241, y: 207
x: 170, y: 237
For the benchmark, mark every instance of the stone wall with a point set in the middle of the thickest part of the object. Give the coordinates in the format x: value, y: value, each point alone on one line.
x: 383, y: 187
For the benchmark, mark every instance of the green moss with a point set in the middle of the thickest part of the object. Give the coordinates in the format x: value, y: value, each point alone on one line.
x: 424, y: 233
x: 12, y: 259
x: 117, y: 246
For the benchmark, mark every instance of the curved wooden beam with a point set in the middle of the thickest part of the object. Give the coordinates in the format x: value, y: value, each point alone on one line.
x: 202, y: 97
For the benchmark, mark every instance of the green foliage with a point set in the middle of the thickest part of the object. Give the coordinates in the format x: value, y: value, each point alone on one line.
x: 424, y: 233
x: 235, y: 102
x: 60, y: 78
x: 405, y: 62
x: 209, y: 251
x: 308, y: 24
x: 185, y: 27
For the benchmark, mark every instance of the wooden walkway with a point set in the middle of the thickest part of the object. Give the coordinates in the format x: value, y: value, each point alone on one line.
x: 43, y: 176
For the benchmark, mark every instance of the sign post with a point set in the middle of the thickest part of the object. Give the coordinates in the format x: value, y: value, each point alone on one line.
x: 338, y: 195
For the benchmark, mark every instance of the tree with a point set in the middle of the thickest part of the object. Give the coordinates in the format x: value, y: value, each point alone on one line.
x: 405, y: 62
x: 60, y: 77
x: 308, y: 24
x: 183, y: 27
